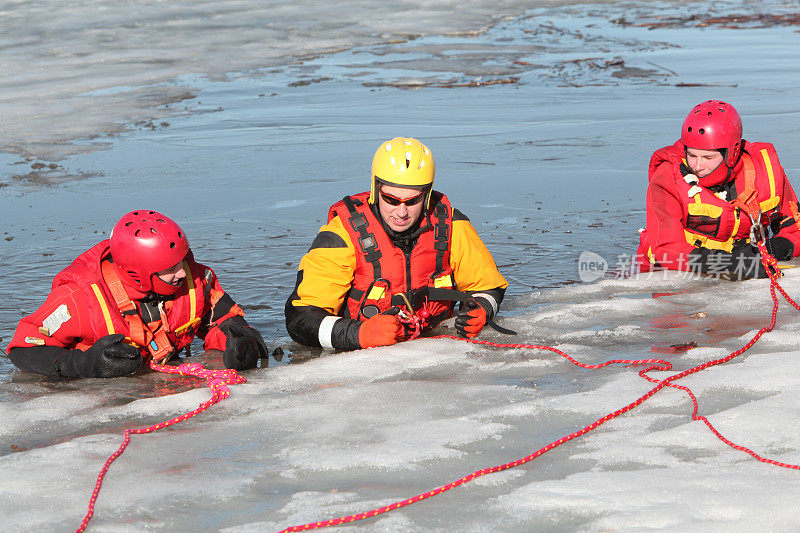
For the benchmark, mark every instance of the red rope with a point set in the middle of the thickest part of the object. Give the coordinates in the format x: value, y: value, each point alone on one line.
x: 217, y: 380
x: 653, y: 364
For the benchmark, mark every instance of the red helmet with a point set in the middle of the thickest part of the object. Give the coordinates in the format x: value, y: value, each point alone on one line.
x: 144, y: 242
x: 714, y: 125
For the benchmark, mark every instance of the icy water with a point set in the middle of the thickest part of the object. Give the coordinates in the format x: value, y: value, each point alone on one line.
x: 230, y: 118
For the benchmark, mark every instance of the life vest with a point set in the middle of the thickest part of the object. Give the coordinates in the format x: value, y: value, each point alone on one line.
x: 714, y: 221
x: 113, y: 311
x: 384, y: 275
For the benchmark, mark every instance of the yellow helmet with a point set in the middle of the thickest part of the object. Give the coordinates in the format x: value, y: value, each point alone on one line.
x: 402, y: 162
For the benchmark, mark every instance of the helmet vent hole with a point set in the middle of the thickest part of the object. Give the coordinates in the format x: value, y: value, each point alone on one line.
x: 172, y: 245
x: 160, y: 220
x: 701, y: 131
x: 180, y: 235
x: 136, y: 213
x: 153, y: 230
x: 128, y: 223
x: 136, y: 233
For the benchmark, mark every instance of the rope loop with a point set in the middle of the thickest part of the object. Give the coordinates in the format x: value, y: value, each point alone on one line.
x: 652, y: 364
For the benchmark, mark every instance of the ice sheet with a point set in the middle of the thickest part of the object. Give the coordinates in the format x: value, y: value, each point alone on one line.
x: 345, y: 433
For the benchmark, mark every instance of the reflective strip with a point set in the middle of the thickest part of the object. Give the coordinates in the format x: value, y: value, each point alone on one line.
x: 188, y: 325
x: 770, y: 204
x: 326, y: 331
x: 192, y: 300
x: 706, y: 242
x: 768, y: 163
x: 104, y: 307
x: 701, y: 209
x: 443, y: 281
x: 376, y: 293
x: 489, y: 298
x: 192, y: 291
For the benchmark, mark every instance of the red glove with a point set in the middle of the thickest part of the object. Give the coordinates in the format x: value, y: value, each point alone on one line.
x: 380, y: 330
x: 470, y: 319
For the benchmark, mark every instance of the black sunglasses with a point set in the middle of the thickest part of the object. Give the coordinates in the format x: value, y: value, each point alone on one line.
x: 395, y: 201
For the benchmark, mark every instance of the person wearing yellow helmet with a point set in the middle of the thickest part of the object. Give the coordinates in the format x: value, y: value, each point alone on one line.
x: 397, y: 250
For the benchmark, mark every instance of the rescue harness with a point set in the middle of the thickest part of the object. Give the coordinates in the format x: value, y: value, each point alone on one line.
x: 415, y: 307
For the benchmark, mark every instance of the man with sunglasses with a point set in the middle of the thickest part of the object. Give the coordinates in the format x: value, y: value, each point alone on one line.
x: 393, y: 259
x: 712, y: 190
x: 139, y: 294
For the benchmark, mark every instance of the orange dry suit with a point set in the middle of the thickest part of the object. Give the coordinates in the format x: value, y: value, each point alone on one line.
x: 82, y: 308
x: 357, y: 268
x: 686, y: 220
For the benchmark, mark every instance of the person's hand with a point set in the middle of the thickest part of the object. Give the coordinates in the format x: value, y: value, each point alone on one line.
x: 781, y: 248
x: 743, y: 262
x: 243, y: 345
x: 471, y: 319
x: 108, y: 357
x: 380, y: 330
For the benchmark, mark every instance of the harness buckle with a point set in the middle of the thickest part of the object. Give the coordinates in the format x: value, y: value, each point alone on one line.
x: 367, y: 243
x: 358, y: 221
x: 441, y: 232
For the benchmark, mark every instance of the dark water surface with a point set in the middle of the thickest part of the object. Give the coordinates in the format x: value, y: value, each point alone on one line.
x: 541, y: 127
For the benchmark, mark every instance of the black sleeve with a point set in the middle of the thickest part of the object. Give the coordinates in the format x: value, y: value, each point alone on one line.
x: 302, y: 322
x: 38, y: 359
x: 345, y: 334
x: 496, y: 293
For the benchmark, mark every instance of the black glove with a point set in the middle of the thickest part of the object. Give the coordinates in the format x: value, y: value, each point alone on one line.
x: 781, y: 248
x: 109, y: 357
x: 743, y: 262
x: 244, y: 345
x: 472, y: 317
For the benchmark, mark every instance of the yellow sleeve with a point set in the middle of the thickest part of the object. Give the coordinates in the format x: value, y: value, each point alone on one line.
x: 327, y: 271
x: 473, y: 267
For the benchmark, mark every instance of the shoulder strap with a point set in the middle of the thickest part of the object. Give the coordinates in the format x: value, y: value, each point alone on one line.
x: 157, y: 342
x: 747, y: 200
x: 126, y: 307
x: 441, y: 235
x: 366, y: 240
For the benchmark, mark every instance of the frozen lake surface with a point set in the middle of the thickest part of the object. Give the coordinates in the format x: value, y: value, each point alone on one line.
x: 227, y: 117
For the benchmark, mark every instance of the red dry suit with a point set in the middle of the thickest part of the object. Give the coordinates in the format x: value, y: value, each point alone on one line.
x: 81, y: 308
x: 683, y: 215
